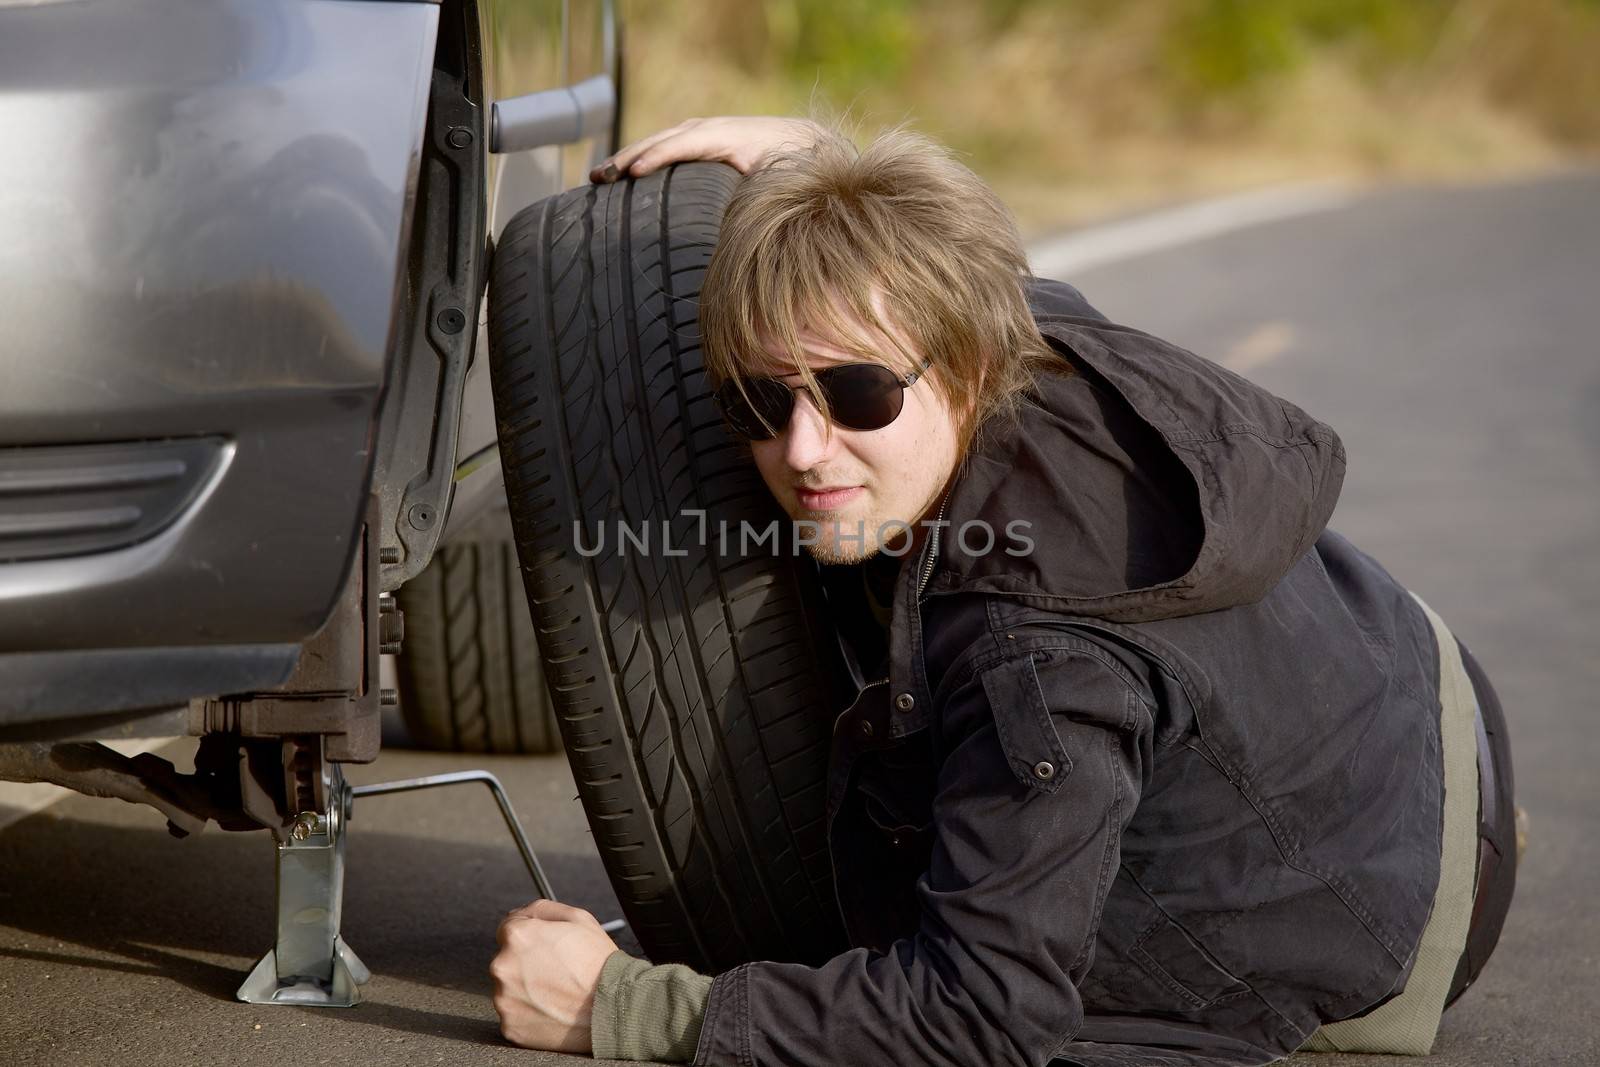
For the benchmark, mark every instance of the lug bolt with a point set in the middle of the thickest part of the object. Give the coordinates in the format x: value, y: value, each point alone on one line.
x: 451, y: 320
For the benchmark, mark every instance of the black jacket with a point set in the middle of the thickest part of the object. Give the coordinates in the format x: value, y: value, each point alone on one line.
x: 1165, y: 790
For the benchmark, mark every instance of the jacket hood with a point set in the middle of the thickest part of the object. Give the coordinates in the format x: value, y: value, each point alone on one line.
x: 1154, y: 484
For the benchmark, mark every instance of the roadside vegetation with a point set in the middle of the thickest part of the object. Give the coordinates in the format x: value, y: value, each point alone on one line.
x: 1076, y: 109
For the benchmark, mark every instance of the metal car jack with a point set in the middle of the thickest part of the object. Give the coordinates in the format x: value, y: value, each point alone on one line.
x: 311, y: 965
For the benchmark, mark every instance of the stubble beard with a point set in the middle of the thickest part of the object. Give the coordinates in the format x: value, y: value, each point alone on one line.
x: 836, y: 552
x: 831, y: 548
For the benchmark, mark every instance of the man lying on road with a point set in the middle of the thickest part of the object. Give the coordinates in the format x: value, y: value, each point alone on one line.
x: 1149, y: 766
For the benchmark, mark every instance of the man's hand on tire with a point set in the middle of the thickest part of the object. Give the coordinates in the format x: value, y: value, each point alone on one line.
x: 545, y: 975
x: 740, y: 141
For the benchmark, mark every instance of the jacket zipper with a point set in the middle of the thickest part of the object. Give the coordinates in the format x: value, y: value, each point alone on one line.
x: 933, y: 549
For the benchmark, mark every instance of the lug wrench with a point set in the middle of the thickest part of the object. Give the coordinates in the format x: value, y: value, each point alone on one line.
x: 408, y: 785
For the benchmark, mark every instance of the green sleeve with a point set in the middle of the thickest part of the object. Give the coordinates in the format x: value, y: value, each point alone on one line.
x: 645, y: 1012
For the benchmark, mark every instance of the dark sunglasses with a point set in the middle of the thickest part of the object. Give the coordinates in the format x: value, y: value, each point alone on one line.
x: 860, y: 396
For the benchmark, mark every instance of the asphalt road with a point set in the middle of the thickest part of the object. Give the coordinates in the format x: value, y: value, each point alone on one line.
x: 1447, y: 333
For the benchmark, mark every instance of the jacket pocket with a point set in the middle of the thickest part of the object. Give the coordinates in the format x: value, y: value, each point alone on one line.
x: 1173, y: 959
x: 1032, y: 746
x: 897, y: 786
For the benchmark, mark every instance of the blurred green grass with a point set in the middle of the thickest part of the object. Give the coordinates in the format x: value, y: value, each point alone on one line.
x: 1075, y: 109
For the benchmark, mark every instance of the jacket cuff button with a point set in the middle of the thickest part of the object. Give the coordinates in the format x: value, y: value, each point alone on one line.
x: 1043, y: 771
x: 904, y: 702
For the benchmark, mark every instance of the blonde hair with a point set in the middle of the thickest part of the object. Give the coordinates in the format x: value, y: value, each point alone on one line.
x: 815, y: 231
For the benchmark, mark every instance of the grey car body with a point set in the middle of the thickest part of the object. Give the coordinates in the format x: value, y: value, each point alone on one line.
x: 229, y: 342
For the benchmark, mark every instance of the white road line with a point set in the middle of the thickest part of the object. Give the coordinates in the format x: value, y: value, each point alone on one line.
x: 1065, y: 256
x: 1260, y: 346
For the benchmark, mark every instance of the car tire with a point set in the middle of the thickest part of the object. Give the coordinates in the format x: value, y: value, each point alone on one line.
x: 695, y: 692
x: 470, y: 675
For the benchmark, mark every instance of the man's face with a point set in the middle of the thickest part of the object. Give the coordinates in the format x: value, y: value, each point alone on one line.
x: 866, y: 485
